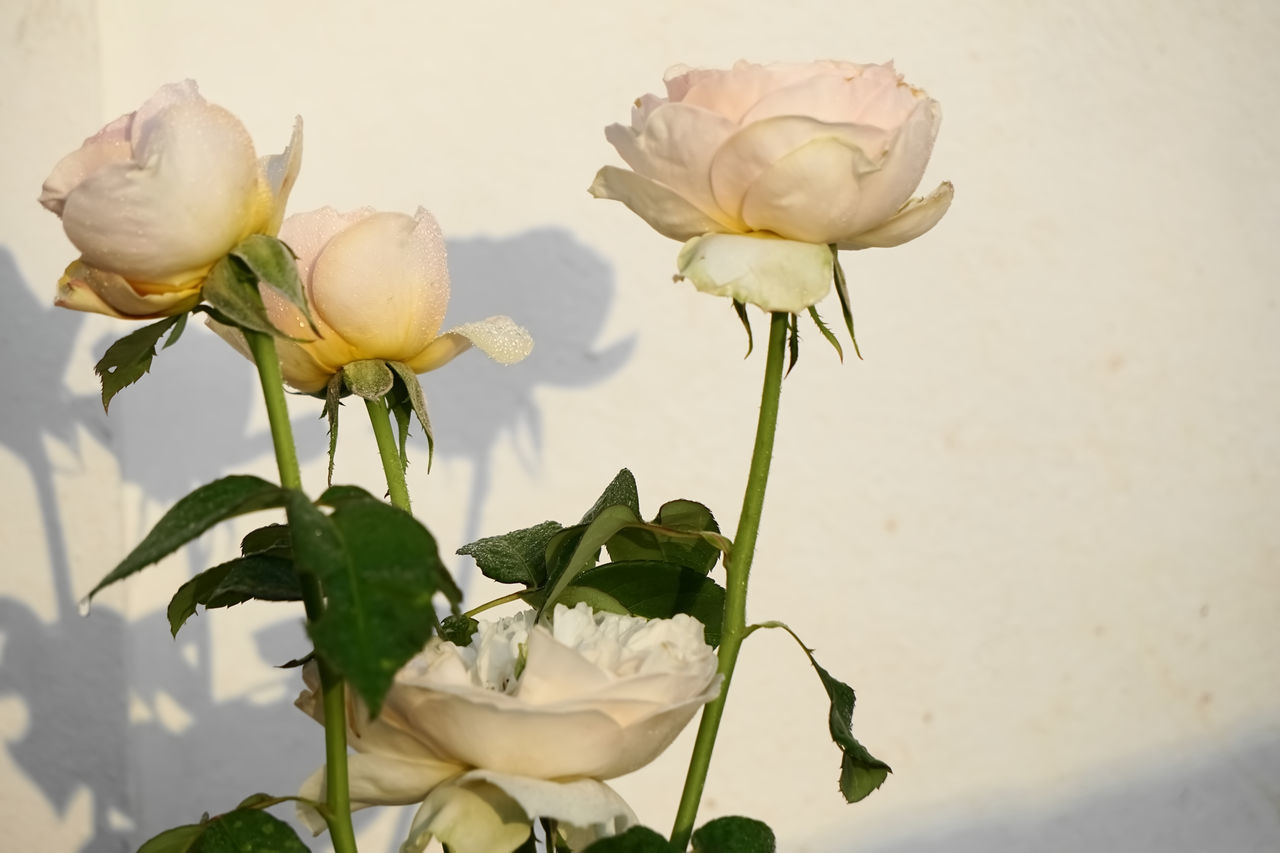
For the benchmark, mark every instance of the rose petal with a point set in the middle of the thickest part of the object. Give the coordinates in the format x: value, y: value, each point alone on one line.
x: 915, y: 218
x: 812, y: 195
x: 675, y: 148
x: 377, y: 780
x: 869, y: 98
x: 885, y: 191
x: 754, y: 150
x: 666, y: 211
x: 584, y: 803
x: 469, y: 816
x: 777, y: 275
x: 281, y: 172
x: 191, y: 192
x: 497, y: 337
x: 383, y: 283
x: 83, y: 288
x: 108, y: 146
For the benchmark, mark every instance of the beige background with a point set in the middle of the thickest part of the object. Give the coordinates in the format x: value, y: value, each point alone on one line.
x: 1035, y: 528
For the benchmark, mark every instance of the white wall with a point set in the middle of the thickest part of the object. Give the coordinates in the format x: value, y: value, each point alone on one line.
x: 1035, y: 528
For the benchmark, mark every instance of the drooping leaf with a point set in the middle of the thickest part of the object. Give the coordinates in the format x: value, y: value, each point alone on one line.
x: 734, y: 835
x: 414, y: 399
x: 860, y: 771
x: 274, y: 264
x: 182, y: 606
x: 842, y: 291
x: 740, y: 309
x: 193, y: 515
x: 826, y: 332
x: 654, y: 590
x: 637, y: 839
x: 675, y: 536
x: 128, y: 359
x: 621, y: 491
x: 515, y: 557
x: 379, y: 568
x: 232, y: 289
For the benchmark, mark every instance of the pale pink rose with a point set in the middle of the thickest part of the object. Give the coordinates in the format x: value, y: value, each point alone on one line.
x: 158, y: 196
x: 524, y: 723
x: 824, y: 153
x: 377, y: 285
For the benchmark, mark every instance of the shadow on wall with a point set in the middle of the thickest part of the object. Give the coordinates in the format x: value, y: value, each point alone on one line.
x: 1223, y: 800
x: 118, y: 709
x: 561, y: 292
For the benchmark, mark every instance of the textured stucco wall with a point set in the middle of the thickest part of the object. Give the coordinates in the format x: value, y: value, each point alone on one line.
x: 1035, y: 528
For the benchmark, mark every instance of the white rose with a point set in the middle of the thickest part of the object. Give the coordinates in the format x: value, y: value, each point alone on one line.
x: 377, y: 286
x: 524, y: 723
x: 158, y: 196
x: 759, y: 168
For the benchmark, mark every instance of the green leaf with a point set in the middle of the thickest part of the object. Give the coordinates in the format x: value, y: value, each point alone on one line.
x: 232, y: 289
x: 274, y: 264
x: 256, y: 577
x: 458, y: 630
x: 586, y: 551
x: 826, y: 332
x: 128, y: 359
x: 793, y: 341
x: 842, y: 290
x: 369, y: 378
x: 178, y: 328
x: 379, y: 568
x: 241, y: 831
x: 515, y: 557
x: 653, y: 590
x: 413, y: 398
x: 180, y: 839
x: 740, y: 309
x: 193, y: 515
x: 734, y: 835
x: 637, y: 839
x: 674, y: 536
x: 621, y: 491
x: 860, y: 771
x: 271, y: 539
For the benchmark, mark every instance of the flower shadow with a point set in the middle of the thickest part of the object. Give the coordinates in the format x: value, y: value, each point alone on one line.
x: 558, y: 289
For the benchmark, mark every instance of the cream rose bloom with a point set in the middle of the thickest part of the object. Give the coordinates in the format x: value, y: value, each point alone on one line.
x: 761, y: 167
x: 158, y: 196
x: 377, y: 286
x: 524, y: 723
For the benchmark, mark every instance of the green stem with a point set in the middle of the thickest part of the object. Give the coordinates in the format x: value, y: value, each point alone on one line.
x: 392, y: 464
x: 737, y: 568
x: 337, y: 810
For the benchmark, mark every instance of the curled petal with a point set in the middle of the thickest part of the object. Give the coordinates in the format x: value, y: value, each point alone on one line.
x: 675, y: 148
x: 487, y: 812
x: 469, y: 817
x: 886, y: 190
x: 378, y: 780
x: 281, y: 172
x: 775, y: 274
x: 109, y: 146
x: 83, y: 288
x: 190, y: 193
x: 497, y: 337
x: 666, y: 211
x: 915, y: 218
